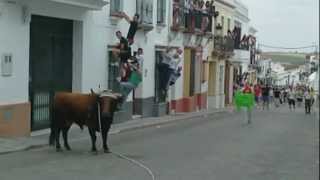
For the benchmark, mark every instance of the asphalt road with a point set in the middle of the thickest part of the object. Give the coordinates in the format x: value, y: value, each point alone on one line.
x: 279, y: 145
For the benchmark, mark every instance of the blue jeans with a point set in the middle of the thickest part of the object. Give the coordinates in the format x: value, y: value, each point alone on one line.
x: 125, y: 89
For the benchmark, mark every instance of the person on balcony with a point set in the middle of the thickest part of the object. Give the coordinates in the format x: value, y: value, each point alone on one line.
x: 187, y: 13
x: 176, y: 13
x: 243, y: 43
x: 140, y: 58
x: 122, y: 48
x: 204, y: 10
x: 197, y: 14
x: 134, y: 22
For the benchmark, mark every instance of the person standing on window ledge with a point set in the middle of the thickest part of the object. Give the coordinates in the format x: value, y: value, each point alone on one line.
x: 134, y: 22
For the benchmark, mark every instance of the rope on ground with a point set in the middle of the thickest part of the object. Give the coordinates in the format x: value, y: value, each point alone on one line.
x: 123, y: 156
x: 135, y: 162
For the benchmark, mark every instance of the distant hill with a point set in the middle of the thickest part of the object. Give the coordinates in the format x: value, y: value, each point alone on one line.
x: 290, y: 59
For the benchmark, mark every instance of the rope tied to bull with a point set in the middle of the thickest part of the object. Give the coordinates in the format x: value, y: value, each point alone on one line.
x: 121, y: 156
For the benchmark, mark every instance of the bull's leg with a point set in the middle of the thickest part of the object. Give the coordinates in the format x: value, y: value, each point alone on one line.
x: 57, y: 133
x: 93, y: 139
x: 104, y: 133
x: 65, y: 137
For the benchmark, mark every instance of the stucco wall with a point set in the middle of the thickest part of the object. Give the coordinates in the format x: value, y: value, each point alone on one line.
x: 14, y: 40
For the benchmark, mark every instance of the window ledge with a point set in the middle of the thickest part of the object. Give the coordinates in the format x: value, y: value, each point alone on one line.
x: 115, y: 17
x: 180, y: 28
x: 116, y: 14
x: 145, y: 27
x: 161, y: 25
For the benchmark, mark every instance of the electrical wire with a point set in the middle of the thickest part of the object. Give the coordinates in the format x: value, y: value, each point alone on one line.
x: 276, y: 47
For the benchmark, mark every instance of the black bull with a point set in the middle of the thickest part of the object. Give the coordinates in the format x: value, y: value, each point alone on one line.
x: 82, y: 109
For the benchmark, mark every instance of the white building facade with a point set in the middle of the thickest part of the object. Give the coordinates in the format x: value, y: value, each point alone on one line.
x: 51, y: 46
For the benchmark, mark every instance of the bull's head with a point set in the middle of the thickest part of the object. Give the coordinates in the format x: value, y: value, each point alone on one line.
x: 109, y: 102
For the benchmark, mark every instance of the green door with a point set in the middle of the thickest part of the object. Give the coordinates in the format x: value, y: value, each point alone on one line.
x: 50, y: 65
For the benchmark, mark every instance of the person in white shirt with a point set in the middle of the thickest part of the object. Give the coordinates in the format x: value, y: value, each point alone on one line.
x: 292, y: 98
x: 307, y: 100
x: 171, y: 58
x: 140, y: 58
x: 271, y: 94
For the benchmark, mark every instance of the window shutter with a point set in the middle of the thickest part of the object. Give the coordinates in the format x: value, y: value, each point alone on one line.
x: 159, y: 2
x: 164, y: 6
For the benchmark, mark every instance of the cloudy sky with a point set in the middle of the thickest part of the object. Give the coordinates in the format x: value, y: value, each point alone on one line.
x: 285, y: 23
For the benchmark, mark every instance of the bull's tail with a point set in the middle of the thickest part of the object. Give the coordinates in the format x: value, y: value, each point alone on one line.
x: 52, y: 136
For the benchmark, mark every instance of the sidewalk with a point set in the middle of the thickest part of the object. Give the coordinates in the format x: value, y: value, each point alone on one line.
x: 40, y: 138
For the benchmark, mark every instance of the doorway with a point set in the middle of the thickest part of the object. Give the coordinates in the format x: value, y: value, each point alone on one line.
x: 50, y: 65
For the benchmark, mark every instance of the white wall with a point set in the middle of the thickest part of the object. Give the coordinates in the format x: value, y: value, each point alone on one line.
x: 15, y: 34
x: 14, y: 39
x: 93, y: 32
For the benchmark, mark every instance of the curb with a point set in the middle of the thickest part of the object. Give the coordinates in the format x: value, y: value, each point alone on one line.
x: 118, y: 130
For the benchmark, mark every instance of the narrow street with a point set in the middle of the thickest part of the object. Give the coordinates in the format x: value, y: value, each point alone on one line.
x: 279, y: 145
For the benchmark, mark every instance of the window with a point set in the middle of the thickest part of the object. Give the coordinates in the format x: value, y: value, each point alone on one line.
x: 113, y: 73
x: 145, y: 10
x: 161, y: 11
x: 160, y: 95
x: 222, y: 23
x: 229, y: 24
x: 115, y: 6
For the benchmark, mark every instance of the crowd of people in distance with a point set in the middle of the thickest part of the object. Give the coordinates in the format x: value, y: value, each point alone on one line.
x: 295, y: 96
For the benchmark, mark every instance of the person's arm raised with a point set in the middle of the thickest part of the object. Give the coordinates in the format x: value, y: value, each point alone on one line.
x: 126, y: 17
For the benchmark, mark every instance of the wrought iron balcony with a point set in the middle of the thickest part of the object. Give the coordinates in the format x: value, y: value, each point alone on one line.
x: 189, y: 19
x: 224, y: 44
x: 145, y: 10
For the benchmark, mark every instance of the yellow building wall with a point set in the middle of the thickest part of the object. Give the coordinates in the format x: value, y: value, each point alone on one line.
x: 212, y: 78
x: 186, y: 72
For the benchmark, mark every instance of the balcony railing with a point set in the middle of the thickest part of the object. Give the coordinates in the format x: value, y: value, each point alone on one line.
x: 224, y: 44
x: 192, y: 18
x: 145, y: 10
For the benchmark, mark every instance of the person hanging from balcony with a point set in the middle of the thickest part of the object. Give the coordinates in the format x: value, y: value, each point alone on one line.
x: 168, y: 67
x: 174, y: 69
x: 134, y: 22
x: 122, y: 49
x: 131, y: 76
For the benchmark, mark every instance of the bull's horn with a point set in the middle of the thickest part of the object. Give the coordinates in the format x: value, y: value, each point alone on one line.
x: 92, y: 92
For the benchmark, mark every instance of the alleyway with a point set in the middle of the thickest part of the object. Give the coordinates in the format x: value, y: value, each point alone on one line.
x: 279, y: 145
